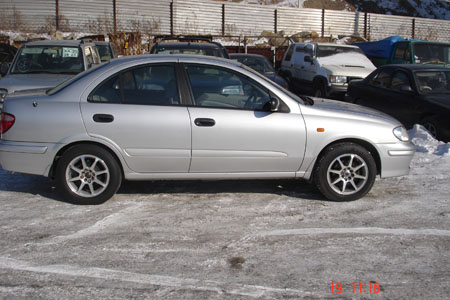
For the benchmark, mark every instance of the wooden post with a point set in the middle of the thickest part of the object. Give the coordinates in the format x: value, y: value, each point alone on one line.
x: 57, y: 14
x: 115, y: 16
x: 413, y: 31
x: 171, y: 18
x: 323, y: 23
x: 223, y: 19
x: 276, y: 21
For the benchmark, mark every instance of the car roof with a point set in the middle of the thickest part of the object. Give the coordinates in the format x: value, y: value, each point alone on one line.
x: 415, y: 67
x: 101, y: 43
x: 174, y: 58
x: 56, y: 43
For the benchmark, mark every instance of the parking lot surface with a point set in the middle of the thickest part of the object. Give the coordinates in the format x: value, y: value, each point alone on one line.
x: 270, y: 239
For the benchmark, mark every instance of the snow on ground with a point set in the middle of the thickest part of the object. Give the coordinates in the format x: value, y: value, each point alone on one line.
x: 266, y: 239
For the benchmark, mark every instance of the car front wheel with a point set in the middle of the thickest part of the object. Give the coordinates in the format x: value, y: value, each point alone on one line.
x: 87, y: 174
x: 345, y: 172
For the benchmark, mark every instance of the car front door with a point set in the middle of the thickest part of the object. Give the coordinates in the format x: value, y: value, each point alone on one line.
x: 139, y: 111
x: 232, y: 129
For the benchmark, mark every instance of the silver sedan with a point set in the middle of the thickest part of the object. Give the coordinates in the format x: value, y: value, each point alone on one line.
x: 194, y: 117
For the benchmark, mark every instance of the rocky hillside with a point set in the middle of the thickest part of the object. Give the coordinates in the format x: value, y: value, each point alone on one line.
x: 436, y: 9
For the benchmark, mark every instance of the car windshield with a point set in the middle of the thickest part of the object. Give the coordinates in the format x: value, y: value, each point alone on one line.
x: 259, y: 64
x: 433, y: 82
x: 105, y: 52
x: 194, y: 51
x: 324, y: 51
x: 48, y: 59
x: 428, y: 53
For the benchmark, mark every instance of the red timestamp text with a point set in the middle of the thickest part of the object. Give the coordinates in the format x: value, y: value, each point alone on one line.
x: 357, y: 287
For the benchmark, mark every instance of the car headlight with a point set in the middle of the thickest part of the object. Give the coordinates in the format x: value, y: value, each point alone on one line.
x: 3, y: 94
x: 338, y: 79
x: 401, y: 133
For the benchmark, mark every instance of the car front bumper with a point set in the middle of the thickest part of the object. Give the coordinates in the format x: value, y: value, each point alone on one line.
x: 28, y: 158
x: 395, y: 158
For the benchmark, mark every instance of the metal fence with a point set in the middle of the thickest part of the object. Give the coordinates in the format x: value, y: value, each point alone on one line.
x: 206, y: 17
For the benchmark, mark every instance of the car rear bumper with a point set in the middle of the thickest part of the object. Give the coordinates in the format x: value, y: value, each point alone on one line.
x: 28, y: 158
x: 395, y: 158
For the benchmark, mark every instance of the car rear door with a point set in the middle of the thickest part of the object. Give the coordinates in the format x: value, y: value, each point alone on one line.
x: 231, y: 130
x: 139, y: 111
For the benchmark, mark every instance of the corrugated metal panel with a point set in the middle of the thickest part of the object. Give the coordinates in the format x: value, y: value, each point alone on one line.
x: 241, y: 19
x: 149, y: 17
x: 86, y: 15
x: 293, y: 20
x: 432, y: 30
x: 339, y: 22
x: 197, y: 17
x: 37, y: 16
x: 382, y: 26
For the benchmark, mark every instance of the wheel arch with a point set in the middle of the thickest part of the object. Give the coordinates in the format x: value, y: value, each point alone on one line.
x: 373, y: 151
x: 61, y: 151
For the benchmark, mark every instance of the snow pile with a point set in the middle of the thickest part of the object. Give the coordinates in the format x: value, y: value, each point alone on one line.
x: 426, y: 144
x: 347, y: 59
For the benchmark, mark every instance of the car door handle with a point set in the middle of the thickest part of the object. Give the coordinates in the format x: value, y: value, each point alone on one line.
x: 103, y: 118
x: 204, y: 122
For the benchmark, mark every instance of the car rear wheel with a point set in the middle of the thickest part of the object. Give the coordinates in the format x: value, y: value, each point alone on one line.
x: 88, y: 174
x: 345, y: 172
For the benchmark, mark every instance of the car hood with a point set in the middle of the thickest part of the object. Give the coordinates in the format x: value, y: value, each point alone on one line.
x: 276, y: 78
x: 345, y: 70
x: 18, y: 82
x: 349, y: 110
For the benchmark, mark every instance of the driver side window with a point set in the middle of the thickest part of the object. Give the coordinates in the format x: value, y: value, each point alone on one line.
x: 216, y: 87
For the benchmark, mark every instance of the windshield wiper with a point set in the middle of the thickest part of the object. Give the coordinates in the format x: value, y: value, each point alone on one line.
x: 307, y: 99
x: 434, y: 62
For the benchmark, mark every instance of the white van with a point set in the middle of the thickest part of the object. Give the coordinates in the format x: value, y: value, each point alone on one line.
x: 324, y: 68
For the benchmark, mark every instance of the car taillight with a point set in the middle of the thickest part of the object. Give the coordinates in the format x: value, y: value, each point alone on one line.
x: 7, y: 121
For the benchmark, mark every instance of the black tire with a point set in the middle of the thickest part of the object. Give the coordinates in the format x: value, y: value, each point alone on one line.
x: 349, y: 180
x: 87, y: 174
x: 320, y: 90
x: 430, y: 124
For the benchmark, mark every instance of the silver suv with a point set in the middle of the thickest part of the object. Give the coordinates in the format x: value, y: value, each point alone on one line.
x: 45, y: 64
x: 194, y: 117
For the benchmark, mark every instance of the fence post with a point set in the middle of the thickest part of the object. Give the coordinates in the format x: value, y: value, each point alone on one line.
x: 365, y: 26
x: 413, y: 32
x: 323, y: 23
x: 223, y: 19
x: 171, y: 18
x: 115, y: 16
x: 276, y: 21
x: 57, y: 14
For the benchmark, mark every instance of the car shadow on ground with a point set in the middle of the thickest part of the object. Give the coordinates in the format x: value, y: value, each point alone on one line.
x: 45, y: 187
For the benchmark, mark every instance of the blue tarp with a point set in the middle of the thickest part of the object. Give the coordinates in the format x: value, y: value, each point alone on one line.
x: 381, y: 48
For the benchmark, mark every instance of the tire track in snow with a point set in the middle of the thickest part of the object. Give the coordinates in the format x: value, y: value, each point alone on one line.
x: 254, y: 291
x: 360, y: 230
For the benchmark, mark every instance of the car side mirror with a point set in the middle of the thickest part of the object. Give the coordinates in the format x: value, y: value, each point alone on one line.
x: 406, y: 88
x: 308, y: 59
x: 4, y: 68
x: 273, y: 105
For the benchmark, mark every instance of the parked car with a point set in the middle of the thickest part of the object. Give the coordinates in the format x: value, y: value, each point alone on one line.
x: 414, y: 94
x: 189, y: 45
x: 7, y: 53
x: 324, y: 69
x: 260, y: 64
x: 397, y: 50
x: 194, y: 117
x: 107, y: 50
x: 45, y: 64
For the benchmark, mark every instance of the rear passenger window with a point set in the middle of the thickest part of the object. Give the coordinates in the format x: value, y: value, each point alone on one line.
x: 154, y: 85
x: 150, y: 85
